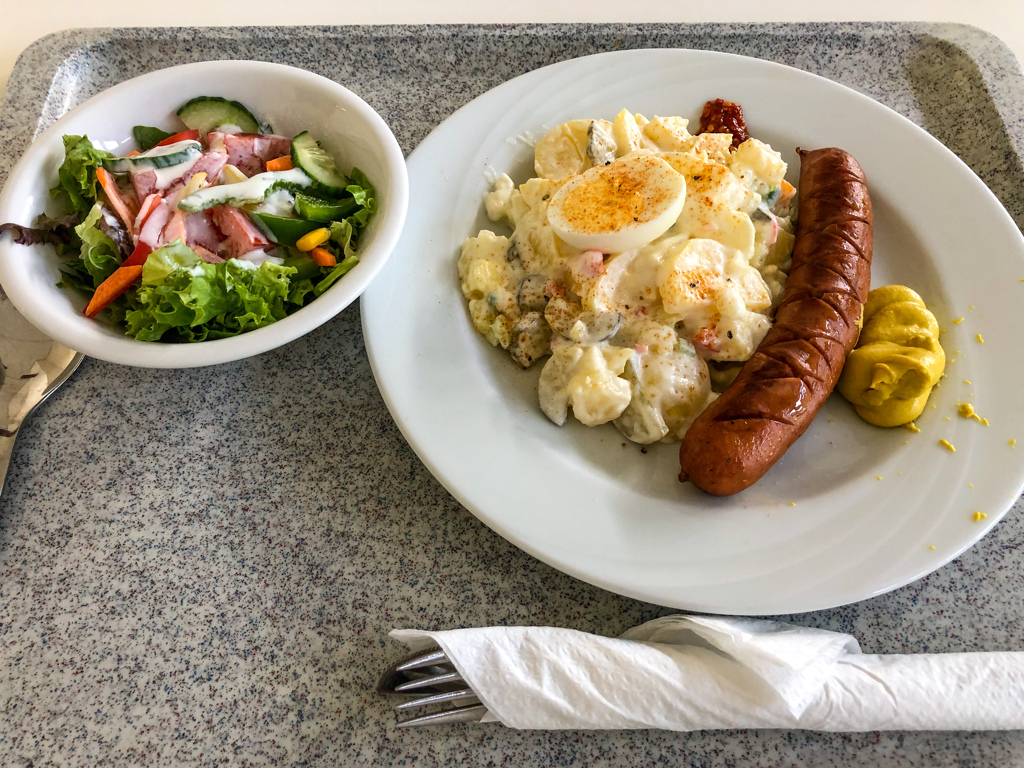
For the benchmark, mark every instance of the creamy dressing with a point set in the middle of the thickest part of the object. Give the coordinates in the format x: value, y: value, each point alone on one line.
x: 168, y: 175
x: 252, y: 190
x: 186, y: 145
x: 253, y: 259
x: 280, y: 202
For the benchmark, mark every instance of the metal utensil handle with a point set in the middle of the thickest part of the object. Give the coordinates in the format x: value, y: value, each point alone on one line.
x: 7, y: 441
x: 9, y: 435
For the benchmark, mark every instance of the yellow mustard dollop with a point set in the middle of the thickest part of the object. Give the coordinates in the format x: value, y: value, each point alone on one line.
x: 898, y: 358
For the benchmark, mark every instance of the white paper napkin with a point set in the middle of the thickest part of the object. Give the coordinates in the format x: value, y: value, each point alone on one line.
x: 688, y: 673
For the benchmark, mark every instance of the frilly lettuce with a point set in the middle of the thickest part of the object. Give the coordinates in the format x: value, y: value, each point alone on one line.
x: 182, y: 298
x: 362, y: 191
x: 76, y: 177
x: 99, y: 254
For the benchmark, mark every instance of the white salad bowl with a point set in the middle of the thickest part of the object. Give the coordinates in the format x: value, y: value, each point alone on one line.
x: 291, y: 100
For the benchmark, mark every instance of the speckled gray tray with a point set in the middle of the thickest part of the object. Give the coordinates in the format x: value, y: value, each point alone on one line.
x: 201, y: 567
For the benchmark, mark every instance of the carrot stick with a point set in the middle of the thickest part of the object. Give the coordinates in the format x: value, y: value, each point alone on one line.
x: 114, y: 195
x: 788, y: 191
x: 283, y: 163
x: 322, y: 257
x: 111, y: 288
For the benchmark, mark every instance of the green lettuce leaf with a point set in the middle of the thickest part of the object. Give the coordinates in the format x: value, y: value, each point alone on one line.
x: 336, y: 273
x: 76, y: 177
x: 342, y: 236
x: 99, y: 255
x: 363, y: 193
x: 182, y: 298
x: 299, y: 290
x: 167, y: 259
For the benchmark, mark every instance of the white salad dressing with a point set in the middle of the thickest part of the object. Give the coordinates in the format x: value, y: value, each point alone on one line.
x: 253, y: 259
x: 252, y: 190
x: 165, y: 176
x: 280, y: 202
x: 186, y: 145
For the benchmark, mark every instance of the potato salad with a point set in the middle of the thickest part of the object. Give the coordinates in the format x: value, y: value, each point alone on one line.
x: 641, y: 269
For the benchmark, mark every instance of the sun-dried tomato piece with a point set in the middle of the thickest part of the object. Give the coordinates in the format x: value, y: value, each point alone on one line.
x: 721, y: 116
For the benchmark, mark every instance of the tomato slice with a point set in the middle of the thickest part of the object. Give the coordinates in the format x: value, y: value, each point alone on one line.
x: 139, y: 255
x: 183, y: 136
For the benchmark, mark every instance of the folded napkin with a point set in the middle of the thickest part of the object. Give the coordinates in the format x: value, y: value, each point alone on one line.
x: 689, y: 673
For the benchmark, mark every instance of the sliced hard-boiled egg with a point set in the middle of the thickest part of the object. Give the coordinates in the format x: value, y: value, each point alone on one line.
x: 619, y: 206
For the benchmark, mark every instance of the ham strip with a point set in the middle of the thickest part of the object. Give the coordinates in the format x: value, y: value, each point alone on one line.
x: 242, y: 235
x: 249, y: 152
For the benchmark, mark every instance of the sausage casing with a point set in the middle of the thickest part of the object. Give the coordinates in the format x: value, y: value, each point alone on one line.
x: 780, y: 389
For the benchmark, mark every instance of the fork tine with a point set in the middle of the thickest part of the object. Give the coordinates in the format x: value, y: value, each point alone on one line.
x: 398, y: 672
x: 430, y: 676
x: 460, y: 715
x: 439, y: 698
x: 428, y: 658
x: 427, y: 682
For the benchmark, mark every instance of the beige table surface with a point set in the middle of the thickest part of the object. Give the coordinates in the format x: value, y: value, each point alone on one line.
x: 24, y: 21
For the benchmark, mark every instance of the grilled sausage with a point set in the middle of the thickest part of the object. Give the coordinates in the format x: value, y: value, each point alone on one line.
x: 780, y: 389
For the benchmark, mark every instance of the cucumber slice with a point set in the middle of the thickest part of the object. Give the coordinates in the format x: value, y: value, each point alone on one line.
x: 317, y: 209
x: 252, y: 190
x: 282, y: 229
x: 157, y: 157
x: 307, y: 155
x: 207, y: 113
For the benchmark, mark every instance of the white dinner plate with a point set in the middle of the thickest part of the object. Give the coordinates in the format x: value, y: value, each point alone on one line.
x: 852, y: 510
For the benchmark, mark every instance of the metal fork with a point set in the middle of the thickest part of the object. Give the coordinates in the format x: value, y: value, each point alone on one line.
x: 432, y: 679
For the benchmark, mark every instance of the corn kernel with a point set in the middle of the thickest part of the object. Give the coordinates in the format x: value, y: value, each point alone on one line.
x: 315, y: 238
